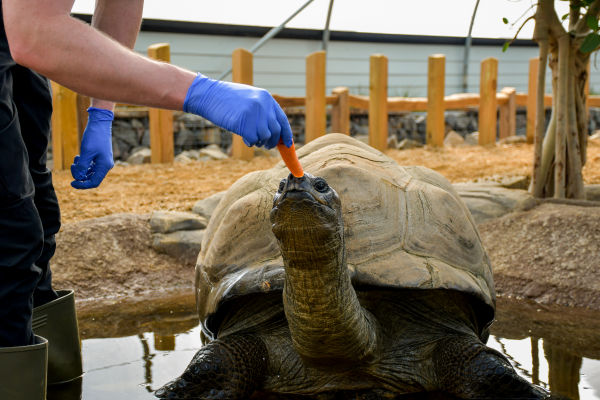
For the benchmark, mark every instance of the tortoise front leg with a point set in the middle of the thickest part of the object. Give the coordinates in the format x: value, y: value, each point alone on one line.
x: 229, y: 368
x: 468, y: 369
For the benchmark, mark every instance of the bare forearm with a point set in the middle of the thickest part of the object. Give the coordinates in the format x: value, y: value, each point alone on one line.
x: 89, y: 62
x: 121, y: 21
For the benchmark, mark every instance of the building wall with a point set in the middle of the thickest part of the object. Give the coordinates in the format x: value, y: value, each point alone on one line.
x: 279, y: 66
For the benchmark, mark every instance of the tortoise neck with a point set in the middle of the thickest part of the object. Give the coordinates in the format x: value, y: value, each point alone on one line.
x: 326, y: 321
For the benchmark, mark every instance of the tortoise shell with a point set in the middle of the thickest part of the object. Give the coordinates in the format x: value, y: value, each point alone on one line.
x: 405, y: 228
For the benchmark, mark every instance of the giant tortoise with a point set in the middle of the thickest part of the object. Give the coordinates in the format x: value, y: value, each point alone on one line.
x: 362, y: 276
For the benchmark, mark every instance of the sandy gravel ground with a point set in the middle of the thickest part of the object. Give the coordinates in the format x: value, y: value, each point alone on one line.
x: 145, y: 188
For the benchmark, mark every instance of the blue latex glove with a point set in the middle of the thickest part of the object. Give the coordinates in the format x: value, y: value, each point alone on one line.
x: 96, y: 158
x: 245, y: 110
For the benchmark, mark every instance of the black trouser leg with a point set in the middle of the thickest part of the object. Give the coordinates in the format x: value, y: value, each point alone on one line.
x: 23, y: 256
x: 34, y: 104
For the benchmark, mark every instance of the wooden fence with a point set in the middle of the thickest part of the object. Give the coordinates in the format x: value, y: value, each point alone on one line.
x: 69, y: 116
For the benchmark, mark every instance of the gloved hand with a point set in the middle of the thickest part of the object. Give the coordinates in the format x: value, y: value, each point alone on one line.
x: 245, y: 110
x: 96, y: 158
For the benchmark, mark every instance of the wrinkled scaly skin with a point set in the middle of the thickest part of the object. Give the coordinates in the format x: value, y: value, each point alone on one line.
x: 326, y: 337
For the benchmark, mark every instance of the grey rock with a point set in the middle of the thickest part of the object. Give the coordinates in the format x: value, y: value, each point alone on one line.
x: 124, y: 132
x: 137, y: 125
x: 592, y: 192
x: 406, y: 144
x: 488, y: 201
x: 141, y: 156
x: 513, y: 140
x: 212, y: 153
x: 509, y: 182
x: 205, y: 207
x: 453, y: 139
x: 392, y: 142
x: 184, y: 245
x: 182, y: 158
x: 472, y: 139
x: 213, y: 146
x: 186, y: 138
x: 171, y: 221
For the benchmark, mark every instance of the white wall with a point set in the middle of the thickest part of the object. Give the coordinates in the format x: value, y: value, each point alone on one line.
x: 279, y: 66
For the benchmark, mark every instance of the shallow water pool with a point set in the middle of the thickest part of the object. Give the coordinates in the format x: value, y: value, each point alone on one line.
x: 129, y: 354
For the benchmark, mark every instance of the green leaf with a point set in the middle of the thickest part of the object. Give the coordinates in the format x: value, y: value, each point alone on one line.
x: 505, y: 46
x: 590, y: 43
x: 564, y: 17
x: 592, y: 22
x: 505, y: 20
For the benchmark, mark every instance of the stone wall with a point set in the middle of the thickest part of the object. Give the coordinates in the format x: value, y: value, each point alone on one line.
x: 193, y: 132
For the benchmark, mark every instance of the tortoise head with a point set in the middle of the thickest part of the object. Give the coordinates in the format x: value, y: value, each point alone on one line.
x: 306, y: 203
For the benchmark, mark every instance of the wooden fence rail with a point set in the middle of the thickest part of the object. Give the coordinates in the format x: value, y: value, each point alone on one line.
x: 67, y: 123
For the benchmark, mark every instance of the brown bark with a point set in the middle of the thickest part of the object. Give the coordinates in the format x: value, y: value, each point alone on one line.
x: 558, y: 161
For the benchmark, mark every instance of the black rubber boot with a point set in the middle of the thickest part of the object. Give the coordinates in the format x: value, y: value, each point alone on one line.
x: 57, y: 322
x: 23, y: 371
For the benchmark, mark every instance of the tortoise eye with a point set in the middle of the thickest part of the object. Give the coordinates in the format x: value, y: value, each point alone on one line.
x: 281, y: 185
x: 321, y: 185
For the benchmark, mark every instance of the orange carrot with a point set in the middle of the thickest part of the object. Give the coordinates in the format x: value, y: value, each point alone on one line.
x: 290, y: 159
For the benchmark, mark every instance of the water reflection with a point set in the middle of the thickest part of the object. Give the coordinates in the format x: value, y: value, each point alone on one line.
x: 130, y: 354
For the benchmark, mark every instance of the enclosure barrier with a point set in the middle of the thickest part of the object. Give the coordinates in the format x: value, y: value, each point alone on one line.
x: 242, y: 68
x: 161, y: 121
x: 435, y: 124
x: 316, y: 112
x: 378, y: 106
x: 69, y: 116
x: 65, y: 122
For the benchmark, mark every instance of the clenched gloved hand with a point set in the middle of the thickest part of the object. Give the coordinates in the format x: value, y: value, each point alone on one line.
x: 245, y: 110
x: 96, y: 158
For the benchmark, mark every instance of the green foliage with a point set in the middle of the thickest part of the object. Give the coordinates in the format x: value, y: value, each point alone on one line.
x: 505, y: 45
x: 590, y: 43
x: 505, y: 20
x: 592, y: 22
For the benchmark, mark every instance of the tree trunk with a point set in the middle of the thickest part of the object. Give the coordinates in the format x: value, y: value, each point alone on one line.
x: 558, y: 162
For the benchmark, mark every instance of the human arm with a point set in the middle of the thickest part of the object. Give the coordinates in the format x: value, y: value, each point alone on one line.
x: 121, y: 21
x: 44, y: 37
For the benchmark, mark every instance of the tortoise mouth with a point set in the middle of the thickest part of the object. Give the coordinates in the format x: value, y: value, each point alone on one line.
x: 295, y: 209
x: 295, y: 195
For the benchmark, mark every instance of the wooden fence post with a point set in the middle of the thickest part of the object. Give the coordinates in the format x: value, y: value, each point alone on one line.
x: 532, y: 98
x: 65, y: 128
x: 435, y: 125
x: 83, y: 103
x: 340, y: 112
x: 161, y: 121
x: 242, y: 72
x: 316, y: 116
x: 508, y: 114
x: 587, y: 90
x: 378, y: 115
x: 488, y: 104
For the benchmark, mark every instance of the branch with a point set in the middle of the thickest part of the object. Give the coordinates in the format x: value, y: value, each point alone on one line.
x: 538, y: 170
x: 519, y: 30
x: 593, y: 11
x: 574, y: 14
x: 546, y: 13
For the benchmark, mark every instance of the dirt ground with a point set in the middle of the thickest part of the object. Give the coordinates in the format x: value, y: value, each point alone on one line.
x: 548, y: 254
x: 145, y: 188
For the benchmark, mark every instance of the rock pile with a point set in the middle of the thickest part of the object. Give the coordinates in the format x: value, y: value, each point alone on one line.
x: 180, y: 234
